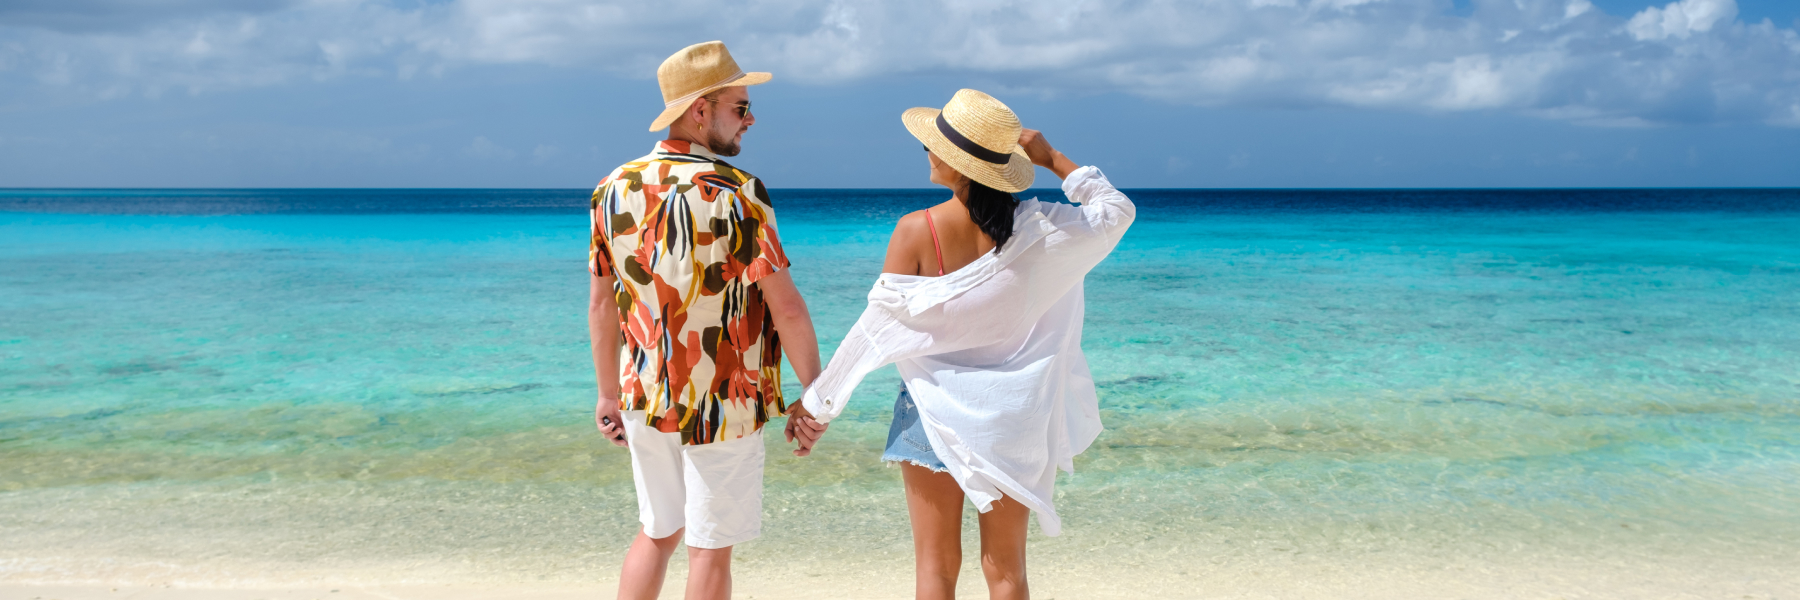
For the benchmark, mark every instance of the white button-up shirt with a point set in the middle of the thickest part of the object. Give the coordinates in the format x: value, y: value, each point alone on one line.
x: 992, y: 352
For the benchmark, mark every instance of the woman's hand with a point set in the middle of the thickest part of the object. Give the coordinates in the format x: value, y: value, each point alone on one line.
x: 803, y: 429
x: 1042, y: 154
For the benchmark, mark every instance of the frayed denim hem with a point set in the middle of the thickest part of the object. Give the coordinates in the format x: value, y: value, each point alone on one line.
x: 892, y: 462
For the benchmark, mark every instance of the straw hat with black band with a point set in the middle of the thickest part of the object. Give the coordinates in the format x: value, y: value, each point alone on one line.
x: 696, y: 71
x: 976, y: 135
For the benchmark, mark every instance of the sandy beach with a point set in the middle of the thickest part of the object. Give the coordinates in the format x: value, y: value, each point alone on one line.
x: 430, y: 541
x: 1316, y: 578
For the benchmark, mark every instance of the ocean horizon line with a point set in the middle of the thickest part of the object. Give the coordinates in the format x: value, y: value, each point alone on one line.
x: 910, y: 189
x: 893, y: 202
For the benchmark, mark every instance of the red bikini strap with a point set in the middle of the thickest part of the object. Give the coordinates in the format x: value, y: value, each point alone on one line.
x: 935, y: 248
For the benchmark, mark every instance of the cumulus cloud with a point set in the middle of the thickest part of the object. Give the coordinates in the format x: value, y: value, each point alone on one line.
x: 121, y: 15
x: 1687, y: 61
x: 1680, y: 19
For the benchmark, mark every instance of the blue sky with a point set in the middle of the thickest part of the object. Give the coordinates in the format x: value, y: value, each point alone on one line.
x: 1197, y: 93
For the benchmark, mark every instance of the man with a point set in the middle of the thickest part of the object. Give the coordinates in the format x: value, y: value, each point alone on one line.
x: 690, y: 309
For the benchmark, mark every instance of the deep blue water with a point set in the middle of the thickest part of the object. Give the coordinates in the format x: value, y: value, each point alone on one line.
x: 1162, y: 203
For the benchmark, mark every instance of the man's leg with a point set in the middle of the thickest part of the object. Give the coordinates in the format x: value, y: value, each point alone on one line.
x: 646, y: 564
x: 724, y: 509
x: 656, y: 471
x: 709, y: 573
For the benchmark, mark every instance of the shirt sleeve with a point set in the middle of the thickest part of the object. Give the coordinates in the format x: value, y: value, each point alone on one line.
x: 1104, y: 210
x: 599, y: 237
x: 879, y: 339
x: 754, y: 243
x: 855, y: 357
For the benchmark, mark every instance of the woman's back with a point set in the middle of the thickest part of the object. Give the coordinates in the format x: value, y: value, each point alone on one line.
x: 991, y: 355
x: 923, y: 236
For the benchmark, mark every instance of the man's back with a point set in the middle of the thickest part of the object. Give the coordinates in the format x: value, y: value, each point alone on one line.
x: 687, y: 235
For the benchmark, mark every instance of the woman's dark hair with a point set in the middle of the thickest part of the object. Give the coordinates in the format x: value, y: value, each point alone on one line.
x: 992, y: 211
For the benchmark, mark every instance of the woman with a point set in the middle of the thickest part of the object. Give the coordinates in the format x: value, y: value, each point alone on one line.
x: 980, y: 306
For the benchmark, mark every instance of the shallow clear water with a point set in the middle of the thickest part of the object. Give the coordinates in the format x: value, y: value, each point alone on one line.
x: 1342, y: 369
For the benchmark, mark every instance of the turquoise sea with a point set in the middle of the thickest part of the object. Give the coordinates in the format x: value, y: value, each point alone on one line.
x: 201, y: 385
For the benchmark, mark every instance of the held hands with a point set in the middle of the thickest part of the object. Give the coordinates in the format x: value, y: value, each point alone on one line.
x: 606, y: 418
x: 802, y: 428
x: 800, y: 425
x: 1042, y: 154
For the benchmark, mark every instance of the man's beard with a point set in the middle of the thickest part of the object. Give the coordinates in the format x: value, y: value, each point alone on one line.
x: 721, y: 147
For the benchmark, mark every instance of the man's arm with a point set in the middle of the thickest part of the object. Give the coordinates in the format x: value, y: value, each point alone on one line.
x: 798, y: 341
x: 603, y: 331
x: 801, y: 346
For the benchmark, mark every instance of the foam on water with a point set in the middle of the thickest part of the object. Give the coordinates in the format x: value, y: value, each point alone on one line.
x: 1589, y: 383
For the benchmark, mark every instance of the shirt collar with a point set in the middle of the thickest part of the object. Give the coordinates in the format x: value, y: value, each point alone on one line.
x: 685, y: 147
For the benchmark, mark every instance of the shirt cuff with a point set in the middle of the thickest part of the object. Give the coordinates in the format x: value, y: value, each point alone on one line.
x: 1071, y: 185
x: 818, y: 407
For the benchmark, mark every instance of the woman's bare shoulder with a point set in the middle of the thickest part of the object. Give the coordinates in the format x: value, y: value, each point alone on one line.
x: 910, y: 226
x: 905, y: 244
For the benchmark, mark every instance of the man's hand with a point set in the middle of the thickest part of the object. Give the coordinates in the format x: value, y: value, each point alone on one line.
x: 801, y: 427
x: 606, y: 417
x: 1042, y: 154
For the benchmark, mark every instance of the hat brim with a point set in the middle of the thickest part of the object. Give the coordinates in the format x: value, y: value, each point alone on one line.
x: 674, y: 112
x: 1013, y: 177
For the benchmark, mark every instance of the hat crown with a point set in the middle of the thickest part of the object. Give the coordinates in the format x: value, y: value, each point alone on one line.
x: 695, y: 68
x: 983, y: 120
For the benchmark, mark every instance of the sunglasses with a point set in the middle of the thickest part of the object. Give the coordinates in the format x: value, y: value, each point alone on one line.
x: 743, y: 108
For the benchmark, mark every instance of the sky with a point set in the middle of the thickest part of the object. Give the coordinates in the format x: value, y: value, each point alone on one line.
x: 1158, y: 93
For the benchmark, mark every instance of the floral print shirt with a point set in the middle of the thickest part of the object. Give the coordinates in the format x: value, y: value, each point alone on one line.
x: 686, y: 236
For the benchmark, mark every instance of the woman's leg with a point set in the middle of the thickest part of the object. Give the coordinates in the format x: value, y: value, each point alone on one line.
x: 1003, y: 549
x: 935, y: 503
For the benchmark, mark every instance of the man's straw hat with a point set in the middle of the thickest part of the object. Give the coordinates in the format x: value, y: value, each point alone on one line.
x: 978, y: 136
x: 696, y: 71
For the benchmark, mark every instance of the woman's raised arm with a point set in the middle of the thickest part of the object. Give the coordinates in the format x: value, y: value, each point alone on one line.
x: 1042, y: 154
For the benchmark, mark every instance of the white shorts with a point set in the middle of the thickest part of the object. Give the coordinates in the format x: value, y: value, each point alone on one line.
x: 714, y: 490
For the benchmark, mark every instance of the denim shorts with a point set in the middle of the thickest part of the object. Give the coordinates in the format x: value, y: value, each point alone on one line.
x: 906, y: 437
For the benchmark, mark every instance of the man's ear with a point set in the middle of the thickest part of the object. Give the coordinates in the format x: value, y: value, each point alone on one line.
x: 698, y: 111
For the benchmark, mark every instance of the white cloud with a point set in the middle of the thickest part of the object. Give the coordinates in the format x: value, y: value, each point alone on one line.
x: 1462, y: 83
x: 1576, y: 8
x: 1680, y: 19
x: 1688, y: 61
x: 113, y: 16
